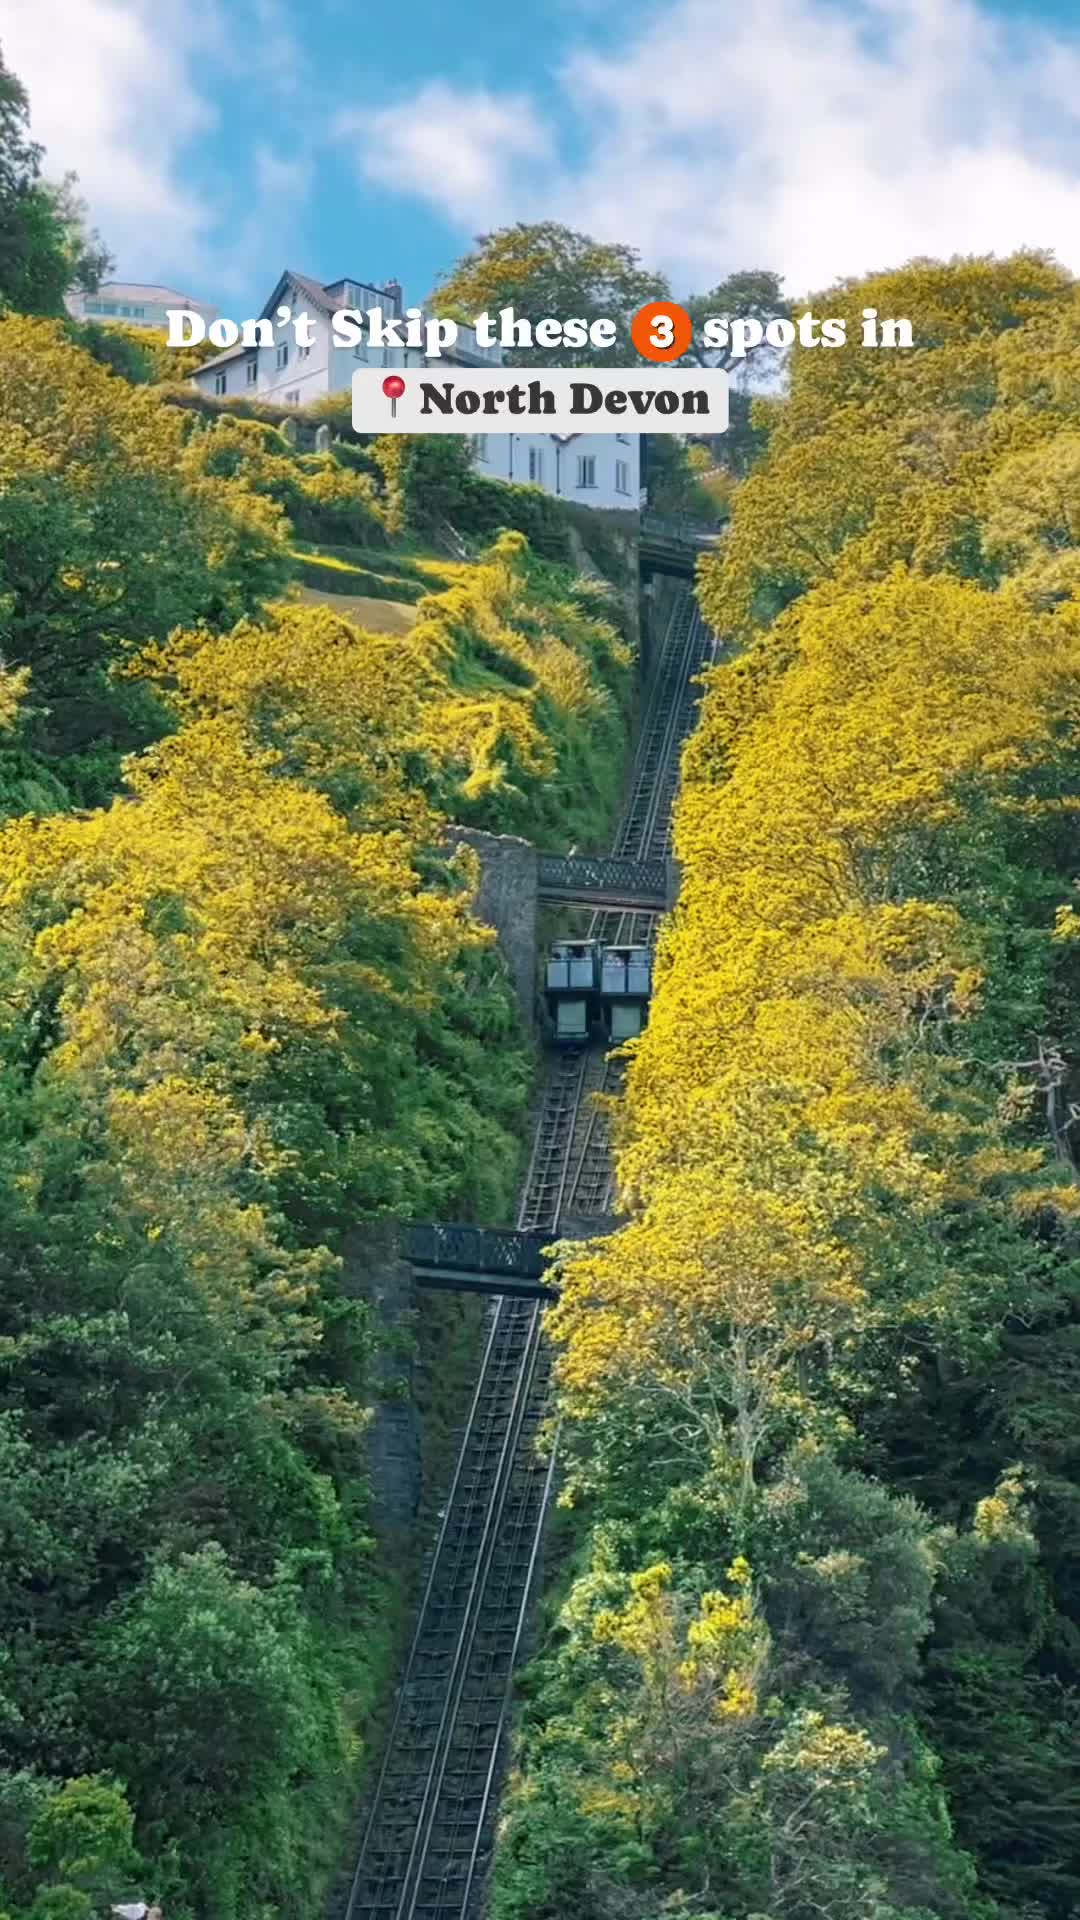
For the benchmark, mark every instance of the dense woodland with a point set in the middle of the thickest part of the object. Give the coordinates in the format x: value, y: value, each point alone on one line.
x: 815, y: 1650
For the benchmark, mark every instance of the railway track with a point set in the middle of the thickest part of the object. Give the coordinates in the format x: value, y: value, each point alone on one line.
x: 645, y: 834
x: 424, y: 1853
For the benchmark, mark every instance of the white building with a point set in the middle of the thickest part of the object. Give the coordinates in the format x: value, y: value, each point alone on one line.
x: 133, y: 304
x: 292, y: 376
x: 597, y: 469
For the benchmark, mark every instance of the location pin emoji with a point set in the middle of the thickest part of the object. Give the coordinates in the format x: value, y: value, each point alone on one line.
x: 393, y: 387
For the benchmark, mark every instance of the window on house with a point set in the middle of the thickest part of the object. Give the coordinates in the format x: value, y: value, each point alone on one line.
x: 125, y: 310
x: 586, y: 470
x: 292, y: 398
x: 252, y: 372
x: 283, y: 354
x: 480, y: 441
x: 622, y: 476
x: 139, y: 312
x: 302, y: 352
x: 536, y: 465
x: 219, y: 382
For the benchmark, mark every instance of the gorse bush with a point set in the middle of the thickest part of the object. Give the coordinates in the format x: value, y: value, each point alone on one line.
x: 430, y: 484
x: 838, y: 1335
x: 113, y: 529
x: 244, y: 1008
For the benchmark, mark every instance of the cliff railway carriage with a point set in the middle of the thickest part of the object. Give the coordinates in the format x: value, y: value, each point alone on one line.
x: 625, y: 989
x: 572, y: 990
x: 596, y: 991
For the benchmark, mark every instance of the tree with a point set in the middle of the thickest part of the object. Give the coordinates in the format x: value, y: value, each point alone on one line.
x: 44, y: 246
x: 547, y: 269
x: 112, y: 531
x: 84, y: 1835
x: 753, y: 294
x: 673, y: 479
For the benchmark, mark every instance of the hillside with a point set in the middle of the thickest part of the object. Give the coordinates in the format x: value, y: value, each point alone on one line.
x: 244, y: 1009
x: 814, y: 1650
x: 810, y: 1644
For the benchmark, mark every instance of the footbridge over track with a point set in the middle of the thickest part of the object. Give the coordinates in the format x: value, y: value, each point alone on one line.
x: 607, y: 880
x: 672, y: 545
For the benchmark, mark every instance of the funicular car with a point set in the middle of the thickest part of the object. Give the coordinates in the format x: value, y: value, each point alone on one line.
x: 625, y: 989
x: 572, y: 990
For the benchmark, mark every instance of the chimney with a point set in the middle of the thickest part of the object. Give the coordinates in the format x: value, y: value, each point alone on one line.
x: 393, y: 288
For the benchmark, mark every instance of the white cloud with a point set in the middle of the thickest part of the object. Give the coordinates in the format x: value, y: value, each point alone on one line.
x: 460, y: 149
x: 120, y: 93
x: 111, y: 97
x: 817, y: 138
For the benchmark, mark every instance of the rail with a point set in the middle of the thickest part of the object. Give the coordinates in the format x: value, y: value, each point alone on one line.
x: 425, y: 1848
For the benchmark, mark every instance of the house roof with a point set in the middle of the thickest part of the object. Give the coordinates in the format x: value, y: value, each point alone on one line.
x: 310, y: 289
x: 137, y: 291
x: 319, y: 295
x: 237, y: 352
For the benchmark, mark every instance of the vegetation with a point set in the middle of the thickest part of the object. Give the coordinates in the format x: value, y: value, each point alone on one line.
x: 816, y: 1650
x: 813, y: 1653
x: 683, y: 483
x: 546, y: 269
x: 44, y: 246
x: 244, y: 1008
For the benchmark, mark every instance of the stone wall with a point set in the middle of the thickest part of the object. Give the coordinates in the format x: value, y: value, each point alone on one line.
x: 507, y: 901
x: 376, y: 1272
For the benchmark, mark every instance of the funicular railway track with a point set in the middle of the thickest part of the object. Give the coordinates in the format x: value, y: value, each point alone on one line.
x: 425, y: 1849
x: 645, y: 834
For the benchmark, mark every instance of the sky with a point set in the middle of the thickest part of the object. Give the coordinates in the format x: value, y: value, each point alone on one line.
x: 218, y: 141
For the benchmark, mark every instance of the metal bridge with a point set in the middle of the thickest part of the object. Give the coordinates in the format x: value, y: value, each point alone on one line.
x: 426, y: 1847
x: 673, y: 546
x: 479, y: 1259
x: 606, y: 880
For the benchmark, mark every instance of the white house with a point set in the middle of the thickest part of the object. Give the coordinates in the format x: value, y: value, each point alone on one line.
x: 597, y: 469
x: 133, y: 304
x: 293, y: 376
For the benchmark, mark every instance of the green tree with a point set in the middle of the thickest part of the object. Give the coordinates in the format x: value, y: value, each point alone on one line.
x: 752, y: 294
x: 202, y: 1688
x: 674, y: 482
x: 547, y: 269
x: 61, y: 1903
x: 44, y: 246
x: 84, y: 1835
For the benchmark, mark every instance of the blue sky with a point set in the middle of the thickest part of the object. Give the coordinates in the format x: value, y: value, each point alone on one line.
x: 219, y: 141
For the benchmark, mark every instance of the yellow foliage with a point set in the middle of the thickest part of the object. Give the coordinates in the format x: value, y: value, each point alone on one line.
x: 12, y: 689
x: 894, y: 456
x: 830, y: 1757
x: 786, y: 1105
x: 714, y: 1655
